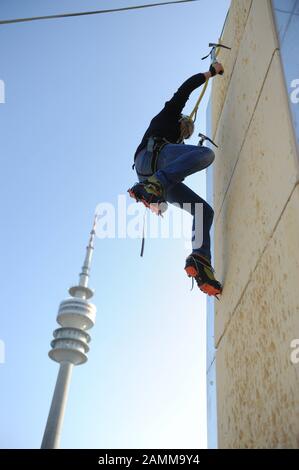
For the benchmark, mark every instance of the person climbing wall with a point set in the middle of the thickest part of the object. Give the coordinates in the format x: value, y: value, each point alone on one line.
x: 162, y: 161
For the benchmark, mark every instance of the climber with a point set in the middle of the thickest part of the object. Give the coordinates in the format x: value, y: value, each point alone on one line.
x: 162, y: 161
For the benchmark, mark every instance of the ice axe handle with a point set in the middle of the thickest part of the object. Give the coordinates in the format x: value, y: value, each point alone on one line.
x: 213, y: 52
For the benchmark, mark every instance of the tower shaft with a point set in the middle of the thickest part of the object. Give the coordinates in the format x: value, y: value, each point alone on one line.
x: 53, y: 429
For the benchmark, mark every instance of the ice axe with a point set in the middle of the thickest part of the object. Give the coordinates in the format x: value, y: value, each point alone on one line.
x: 203, y: 138
x: 214, y: 52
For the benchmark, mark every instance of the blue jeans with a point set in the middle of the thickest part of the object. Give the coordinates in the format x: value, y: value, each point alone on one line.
x: 175, y: 162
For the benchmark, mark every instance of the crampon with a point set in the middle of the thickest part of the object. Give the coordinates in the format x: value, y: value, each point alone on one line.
x: 199, y: 268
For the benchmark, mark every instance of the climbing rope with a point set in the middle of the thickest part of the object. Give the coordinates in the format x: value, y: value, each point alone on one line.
x: 95, y: 12
x: 213, y: 56
x: 193, y: 114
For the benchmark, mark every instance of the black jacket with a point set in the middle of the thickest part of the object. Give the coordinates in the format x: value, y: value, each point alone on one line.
x: 166, y: 123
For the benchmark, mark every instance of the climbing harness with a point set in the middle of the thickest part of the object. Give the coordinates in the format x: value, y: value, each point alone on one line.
x: 154, y: 147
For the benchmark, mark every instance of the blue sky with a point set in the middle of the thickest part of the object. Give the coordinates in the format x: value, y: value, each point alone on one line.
x: 79, y: 95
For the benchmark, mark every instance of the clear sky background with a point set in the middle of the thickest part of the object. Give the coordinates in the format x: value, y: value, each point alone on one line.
x: 80, y: 93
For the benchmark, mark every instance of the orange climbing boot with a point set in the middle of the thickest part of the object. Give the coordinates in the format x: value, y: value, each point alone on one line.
x: 199, y: 268
x: 151, y: 194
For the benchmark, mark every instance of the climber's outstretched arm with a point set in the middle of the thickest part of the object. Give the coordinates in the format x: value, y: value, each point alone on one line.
x: 177, y: 103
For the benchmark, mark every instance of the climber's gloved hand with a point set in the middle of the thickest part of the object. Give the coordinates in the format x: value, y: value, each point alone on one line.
x: 216, y: 69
